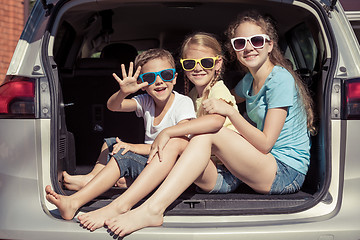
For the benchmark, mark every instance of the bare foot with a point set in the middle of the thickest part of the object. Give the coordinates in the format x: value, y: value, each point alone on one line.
x: 134, y: 220
x: 96, y: 219
x: 66, y: 207
x: 76, y: 182
x: 124, y: 182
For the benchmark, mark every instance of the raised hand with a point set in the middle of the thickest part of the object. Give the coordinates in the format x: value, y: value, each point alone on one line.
x: 129, y: 84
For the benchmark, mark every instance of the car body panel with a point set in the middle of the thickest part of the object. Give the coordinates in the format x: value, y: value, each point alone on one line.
x: 25, y: 167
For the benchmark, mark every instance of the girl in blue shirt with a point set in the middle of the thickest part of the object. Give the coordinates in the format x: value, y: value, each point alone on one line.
x: 271, y: 157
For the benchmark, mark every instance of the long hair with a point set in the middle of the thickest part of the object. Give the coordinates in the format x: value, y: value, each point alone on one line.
x: 206, y: 40
x: 276, y: 57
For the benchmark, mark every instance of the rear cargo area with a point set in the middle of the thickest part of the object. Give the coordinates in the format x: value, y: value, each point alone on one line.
x: 85, y: 76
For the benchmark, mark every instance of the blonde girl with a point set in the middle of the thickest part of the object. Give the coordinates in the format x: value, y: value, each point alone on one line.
x: 202, y: 61
x: 209, y: 49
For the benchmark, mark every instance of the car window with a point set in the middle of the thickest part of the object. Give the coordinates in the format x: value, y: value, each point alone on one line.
x: 354, y: 18
x: 303, y: 47
x: 356, y: 26
x: 62, y: 48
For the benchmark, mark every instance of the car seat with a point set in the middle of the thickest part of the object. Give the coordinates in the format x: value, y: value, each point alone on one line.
x: 91, y: 86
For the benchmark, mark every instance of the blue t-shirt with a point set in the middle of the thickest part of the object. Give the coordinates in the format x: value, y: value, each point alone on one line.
x: 279, y: 90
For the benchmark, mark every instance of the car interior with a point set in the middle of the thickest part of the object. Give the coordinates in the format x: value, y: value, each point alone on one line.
x: 93, y: 40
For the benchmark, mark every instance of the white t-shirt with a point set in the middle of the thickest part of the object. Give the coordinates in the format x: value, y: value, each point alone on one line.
x: 182, y: 108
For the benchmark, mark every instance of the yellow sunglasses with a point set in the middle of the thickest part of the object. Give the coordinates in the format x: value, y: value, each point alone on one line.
x: 206, y: 63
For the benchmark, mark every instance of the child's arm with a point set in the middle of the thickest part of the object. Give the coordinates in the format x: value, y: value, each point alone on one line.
x: 142, y: 148
x: 128, y: 85
x: 237, y: 98
x: 204, y: 124
x: 262, y: 140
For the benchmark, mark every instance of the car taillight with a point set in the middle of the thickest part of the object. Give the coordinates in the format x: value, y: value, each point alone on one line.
x: 17, y: 97
x: 352, y: 99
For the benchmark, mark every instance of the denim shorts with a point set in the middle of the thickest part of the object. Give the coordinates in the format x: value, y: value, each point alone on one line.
x: 130, y: 164
x: 226, y: 182
x: 287, y: 180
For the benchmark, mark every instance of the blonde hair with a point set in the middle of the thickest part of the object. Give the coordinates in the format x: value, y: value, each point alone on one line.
x: 206, y: 40
x: 152, y: 54
x: 276, y: 58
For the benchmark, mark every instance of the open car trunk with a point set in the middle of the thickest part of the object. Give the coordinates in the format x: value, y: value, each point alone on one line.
x: 81, y: 31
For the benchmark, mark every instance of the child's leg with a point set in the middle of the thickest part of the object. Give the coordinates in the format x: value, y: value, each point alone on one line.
x: 153, y: 174
x: 189, y: 168
x: 68, y: 205
x: 243, y: 160
x: 207, y: 179
x: 76, y: 182
x: 130, y: 163
x: 239, y: 156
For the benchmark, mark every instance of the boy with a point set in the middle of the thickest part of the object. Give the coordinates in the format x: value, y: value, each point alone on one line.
x: 161, y: 107
x: 117, y: 102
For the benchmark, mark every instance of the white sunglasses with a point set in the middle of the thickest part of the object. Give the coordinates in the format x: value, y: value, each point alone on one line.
x: 257, y: 41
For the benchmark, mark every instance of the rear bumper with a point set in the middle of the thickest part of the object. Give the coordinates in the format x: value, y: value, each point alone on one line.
x: 23, y: 217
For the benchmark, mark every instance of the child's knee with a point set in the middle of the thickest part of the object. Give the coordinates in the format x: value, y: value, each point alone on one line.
x: 177, y: 144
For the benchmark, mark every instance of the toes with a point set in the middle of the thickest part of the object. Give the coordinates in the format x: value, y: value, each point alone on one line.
x: 81, y: 217
x: 94, y: 227
x: 48, y: 189
x: 115, y: 227
x: 50, y: 194
x: 107, y: 223
x: 85, y: 225
x: 85, y: 222
x: 110, y: 223
x: 116, y: 230
x: 90, y: 222
x: 90, y: 226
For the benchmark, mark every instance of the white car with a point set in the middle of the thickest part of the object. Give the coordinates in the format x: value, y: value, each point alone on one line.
x: 53, y: 117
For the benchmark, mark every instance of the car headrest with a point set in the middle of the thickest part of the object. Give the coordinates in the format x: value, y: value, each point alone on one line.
x: 124, y: 52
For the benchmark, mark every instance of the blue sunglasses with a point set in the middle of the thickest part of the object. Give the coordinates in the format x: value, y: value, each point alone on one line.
x: 166, y: 75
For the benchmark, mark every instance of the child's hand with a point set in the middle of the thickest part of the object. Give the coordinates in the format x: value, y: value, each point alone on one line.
x: 158, y: 145
x: 217, y: 106
x: 119, y: 145
x: 129, y: 84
